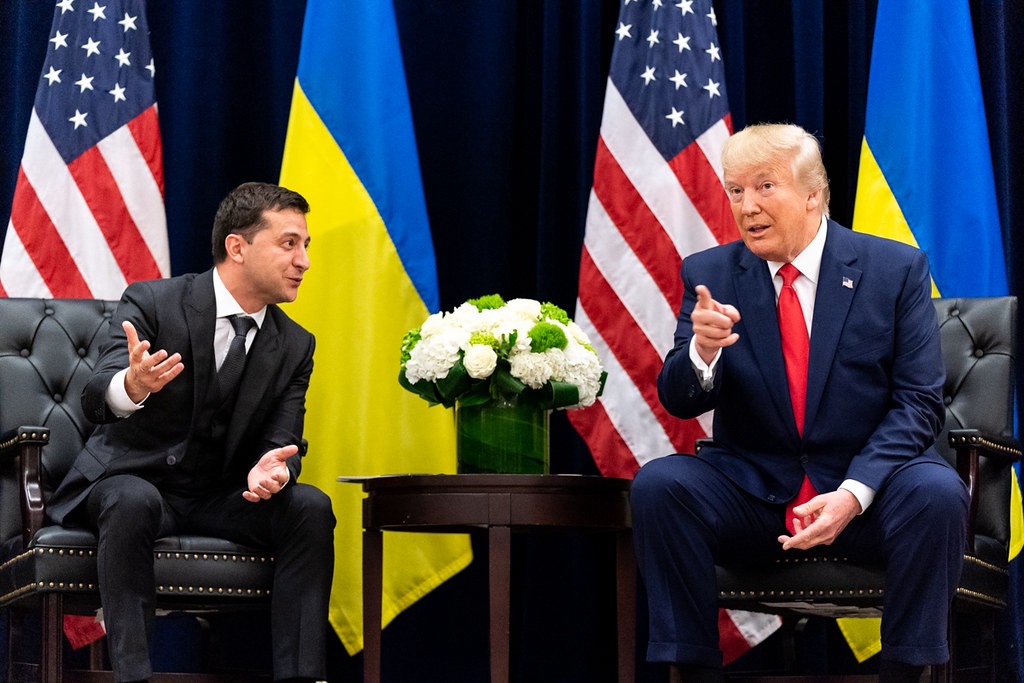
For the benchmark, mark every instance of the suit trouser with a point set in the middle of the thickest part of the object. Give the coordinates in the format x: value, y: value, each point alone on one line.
x: 687, y: 516
x: 297, y: 525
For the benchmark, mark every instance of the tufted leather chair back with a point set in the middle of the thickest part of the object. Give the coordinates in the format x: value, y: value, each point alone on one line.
x: 978, y: 346
x: 47, y: 352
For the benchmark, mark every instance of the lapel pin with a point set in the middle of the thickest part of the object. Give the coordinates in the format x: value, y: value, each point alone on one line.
x: 848, y: 283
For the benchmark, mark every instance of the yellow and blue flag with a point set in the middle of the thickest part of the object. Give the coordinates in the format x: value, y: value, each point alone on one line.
x: 351, y: 151
x: 926, y: 173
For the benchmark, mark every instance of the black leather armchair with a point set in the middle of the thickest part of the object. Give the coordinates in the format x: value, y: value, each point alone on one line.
x: 978, y: 349
x: 47, y: 351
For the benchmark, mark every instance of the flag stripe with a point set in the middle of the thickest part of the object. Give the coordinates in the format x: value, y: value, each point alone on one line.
x: 637, y: 225
x: 42, y: 243
x: 616, y: 264
x: 145, y: 129
x: 90, y: 217
x: 624, y: 407
x: 103, y: 197
x: 624, y: 339
x: 653, y: 179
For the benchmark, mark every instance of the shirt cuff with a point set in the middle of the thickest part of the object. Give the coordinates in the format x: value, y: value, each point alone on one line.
x: 705, y: 372
x: 117, y: 397
x: 864, y: 494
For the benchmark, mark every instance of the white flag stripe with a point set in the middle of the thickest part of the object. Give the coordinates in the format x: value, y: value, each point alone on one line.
x: 624, y: 404
x: 711, y: 144
x: 63, y: 201
x: 139, y: 191
x: 638, y: 292
x: 652, y: 177
x: 754, y: 626
x: 17, y: 272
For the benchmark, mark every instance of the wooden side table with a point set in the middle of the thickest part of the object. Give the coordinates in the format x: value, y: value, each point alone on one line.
x: 500, y: 504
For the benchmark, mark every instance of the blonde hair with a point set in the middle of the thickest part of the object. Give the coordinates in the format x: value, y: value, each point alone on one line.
x: 766, y: 143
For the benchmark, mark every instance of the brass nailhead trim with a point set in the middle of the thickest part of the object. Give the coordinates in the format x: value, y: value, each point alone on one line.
x: 978, y: 440
x: 987, y: 565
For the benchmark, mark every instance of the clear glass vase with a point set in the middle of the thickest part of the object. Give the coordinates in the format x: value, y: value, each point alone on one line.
x: 502, y: 436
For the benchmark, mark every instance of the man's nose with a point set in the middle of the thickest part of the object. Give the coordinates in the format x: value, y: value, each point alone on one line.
x: 302, y: 259
x: 749, y: 204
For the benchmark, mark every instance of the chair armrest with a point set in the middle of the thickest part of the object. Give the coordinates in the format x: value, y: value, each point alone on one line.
x: 970, y: 445
x: 25, y: 445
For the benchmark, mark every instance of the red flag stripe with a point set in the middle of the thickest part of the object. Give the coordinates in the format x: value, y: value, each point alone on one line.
x: 103, y: 197
x: 704, y: 187
x: 626, y: 408
x: 43, y: 244
x: 145, y: 129
x: 638, y: 226
x: 596, y: 428
x: 637, y: 357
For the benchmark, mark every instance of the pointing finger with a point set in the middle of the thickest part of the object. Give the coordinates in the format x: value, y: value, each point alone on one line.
x: 704, y: 299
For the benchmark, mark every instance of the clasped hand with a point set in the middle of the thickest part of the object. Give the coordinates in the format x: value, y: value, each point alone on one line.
x: 820, y: 520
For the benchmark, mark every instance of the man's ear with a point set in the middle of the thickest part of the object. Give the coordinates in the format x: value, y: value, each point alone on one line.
x: 814, y: 200
x: 233, y: 244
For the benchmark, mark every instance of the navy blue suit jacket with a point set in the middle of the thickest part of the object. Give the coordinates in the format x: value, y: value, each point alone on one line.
x: 179, y: 315
x: 875, y: 373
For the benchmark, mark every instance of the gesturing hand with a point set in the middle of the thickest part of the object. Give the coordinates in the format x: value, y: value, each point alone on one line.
x: 148, y: 372
x: 270, y: 474
x: 712, y: 324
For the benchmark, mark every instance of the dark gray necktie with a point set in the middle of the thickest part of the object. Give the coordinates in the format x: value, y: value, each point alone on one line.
x: 234, y: 363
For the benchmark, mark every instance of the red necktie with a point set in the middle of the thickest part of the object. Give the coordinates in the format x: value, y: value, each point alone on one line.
x: 795, y: 350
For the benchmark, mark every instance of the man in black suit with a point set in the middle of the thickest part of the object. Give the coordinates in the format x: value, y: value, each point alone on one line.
x: 180, y: 449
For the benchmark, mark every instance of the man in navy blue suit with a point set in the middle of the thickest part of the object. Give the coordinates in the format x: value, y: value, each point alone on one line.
x: 858, y: 440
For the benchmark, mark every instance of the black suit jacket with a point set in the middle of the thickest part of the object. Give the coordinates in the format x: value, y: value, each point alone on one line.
x: 179, y: 315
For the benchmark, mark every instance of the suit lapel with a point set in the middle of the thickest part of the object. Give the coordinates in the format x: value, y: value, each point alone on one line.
x: 201, y: 318
x: 755, y: 296
x: 838, y: 280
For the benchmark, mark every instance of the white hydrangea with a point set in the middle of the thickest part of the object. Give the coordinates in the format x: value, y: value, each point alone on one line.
x: 583, y: 368
x: 445, y: 338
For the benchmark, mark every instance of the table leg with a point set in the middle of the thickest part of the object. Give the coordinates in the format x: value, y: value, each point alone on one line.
x: 373, y: 587
x: 499, y: 543
x: 625, y: 605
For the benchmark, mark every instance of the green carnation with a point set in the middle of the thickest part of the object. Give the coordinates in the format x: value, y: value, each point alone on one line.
x: 549, y: 310
x: 490, y: 301
x: 409, y: 341
x: 544, y: 336
x: 485, y: 339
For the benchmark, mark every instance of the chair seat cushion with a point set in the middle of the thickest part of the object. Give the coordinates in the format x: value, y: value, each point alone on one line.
x: 835, y: 587
x: 187, y: 567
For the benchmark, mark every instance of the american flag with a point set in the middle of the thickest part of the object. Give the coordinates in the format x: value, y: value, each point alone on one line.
x: 657, y: 197
x: 88, y: 212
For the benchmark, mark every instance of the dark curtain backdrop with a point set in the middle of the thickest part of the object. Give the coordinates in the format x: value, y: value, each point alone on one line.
x: 506, y: 99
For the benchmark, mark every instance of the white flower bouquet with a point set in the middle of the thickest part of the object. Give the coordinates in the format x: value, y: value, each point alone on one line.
x: 489, y: 349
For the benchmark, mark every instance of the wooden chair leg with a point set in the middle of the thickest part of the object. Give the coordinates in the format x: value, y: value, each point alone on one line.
x: 51, y: 654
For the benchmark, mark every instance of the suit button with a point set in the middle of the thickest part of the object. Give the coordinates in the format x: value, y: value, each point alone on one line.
x: 171, y: 460
x: 771, y: 498
x: 804, y: 459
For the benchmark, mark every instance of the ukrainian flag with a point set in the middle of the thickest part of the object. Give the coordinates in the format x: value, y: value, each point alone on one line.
x: 351, y: 151
x: 926, y: 172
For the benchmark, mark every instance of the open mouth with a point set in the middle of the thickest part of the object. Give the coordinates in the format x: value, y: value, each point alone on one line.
x: 757, y: 230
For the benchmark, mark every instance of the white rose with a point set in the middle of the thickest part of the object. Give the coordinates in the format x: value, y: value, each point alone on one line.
x: 480, y: 361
